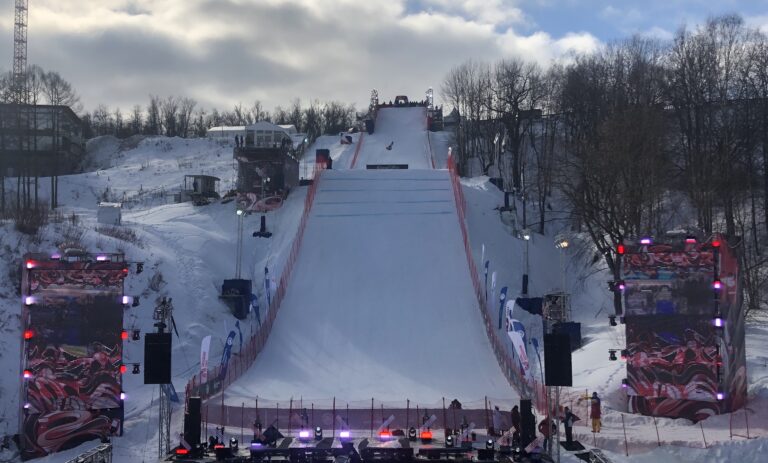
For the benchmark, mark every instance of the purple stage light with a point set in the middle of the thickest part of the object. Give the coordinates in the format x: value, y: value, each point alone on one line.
x: 344, y: 434
x: 646, y: 241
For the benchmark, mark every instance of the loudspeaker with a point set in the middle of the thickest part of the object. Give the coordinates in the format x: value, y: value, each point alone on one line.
x: 557, y: 360
x: 485, y: 454
x: 157, y: 358
x: 192, y: 421
x: 271, y: 435
x: 572, y: 330
x: 527, y: 423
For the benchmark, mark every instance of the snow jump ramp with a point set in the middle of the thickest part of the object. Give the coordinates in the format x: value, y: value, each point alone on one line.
x: 380, y: 302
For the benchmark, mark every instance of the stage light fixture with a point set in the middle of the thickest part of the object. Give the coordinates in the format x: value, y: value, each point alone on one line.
x: 449, y: 441
x: 646, y: 241
x: 426, y: 436
x: 29, y: 300
x: 27, y: 374
x: 720, y: 395
x: 690, y: 240
x: 385, y: 435
x: 318, y: 433
x: 624, y: 383
x: 304, y: 435
x: 624, y: 354
x: 612, y: 320
x: 620, y: 249
x: 55, y: 256
x: 126, y: 300
x: 612, y: 354
x: 30, y: 264
x: 123, y: 369
x: 716, y: 243
x: 139, y: 267
x: 621, y: 286
x: 717, y: 285
x: 101, y: 258
x: 233, y: 444
x: 28, y: 334
x: 27, y: 405
x: 718, y: 321
x: 344, y: 435
x: 136, y: 369
x: 181, y: 451
x: 122, y: 395
x: 124, y: 335
x: 412, y: 434
x: 135, y: 301
x: 489, y: 444
x: 136, y: 335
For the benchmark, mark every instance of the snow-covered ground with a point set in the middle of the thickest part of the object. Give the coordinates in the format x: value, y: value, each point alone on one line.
x: 381, y: 303
x: 392, y: 265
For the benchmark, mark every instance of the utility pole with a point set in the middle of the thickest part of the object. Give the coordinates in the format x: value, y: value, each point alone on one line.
x: 239, y: 257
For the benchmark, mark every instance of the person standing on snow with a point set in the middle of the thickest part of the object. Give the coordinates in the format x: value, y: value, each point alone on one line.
x: 516, y: 419
x: 496, y: 418
x: 568, y: 421
x: 389, y: 147
x: 595, y: 413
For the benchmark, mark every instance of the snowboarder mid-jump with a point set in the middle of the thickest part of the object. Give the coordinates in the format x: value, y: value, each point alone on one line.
x: 389, y: 147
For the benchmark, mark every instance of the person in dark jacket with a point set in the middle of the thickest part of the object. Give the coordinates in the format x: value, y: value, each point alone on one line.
x: 516, y: 418
x: 568, y: 421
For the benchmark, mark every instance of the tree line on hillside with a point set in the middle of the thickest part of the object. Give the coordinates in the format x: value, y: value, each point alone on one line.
x: 175, y: 116
x: 178, y: 116
x: 633, y: 135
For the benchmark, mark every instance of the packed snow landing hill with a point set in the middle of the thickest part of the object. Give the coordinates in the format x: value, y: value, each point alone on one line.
x: 380, y: 303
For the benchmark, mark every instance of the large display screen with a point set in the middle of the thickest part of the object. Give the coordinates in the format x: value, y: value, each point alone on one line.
x: 73, y: 318
x: 680, y: 364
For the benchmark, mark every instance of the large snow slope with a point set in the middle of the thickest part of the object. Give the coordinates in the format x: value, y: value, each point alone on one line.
x: 380, y: 303
x: 405, y: 128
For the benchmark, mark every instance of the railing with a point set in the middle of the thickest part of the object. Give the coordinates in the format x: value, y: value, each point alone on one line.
x: 100, y: 454
x: 290, y: 416
x: 240, y: 363
x: 357, y: 150
x: 510, y: 367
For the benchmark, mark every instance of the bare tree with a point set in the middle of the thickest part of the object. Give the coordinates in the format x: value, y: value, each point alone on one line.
x: 169, y: 109
x: 186, y: 107
x: 136, y: 120
x: 153, y: 116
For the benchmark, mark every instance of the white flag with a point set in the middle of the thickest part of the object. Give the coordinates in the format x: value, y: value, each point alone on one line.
x: 482, y: 254
x: 493, y: 281
x: 205, y: 348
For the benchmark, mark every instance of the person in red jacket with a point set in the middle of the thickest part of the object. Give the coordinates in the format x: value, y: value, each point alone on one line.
x: 547, y: 428
x: 595, y: 412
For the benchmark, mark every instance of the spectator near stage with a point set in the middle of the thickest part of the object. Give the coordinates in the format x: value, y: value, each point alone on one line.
x: 547, y: 428
x: 568, y: 421
x: 595, y: 412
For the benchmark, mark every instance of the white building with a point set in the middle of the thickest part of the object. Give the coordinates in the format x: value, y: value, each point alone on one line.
x: 226, y: 133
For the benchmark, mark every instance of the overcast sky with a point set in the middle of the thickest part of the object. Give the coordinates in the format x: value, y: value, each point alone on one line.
x: 222, y: 52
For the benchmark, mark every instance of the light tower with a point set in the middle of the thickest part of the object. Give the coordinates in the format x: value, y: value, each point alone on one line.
x: 19, y: 92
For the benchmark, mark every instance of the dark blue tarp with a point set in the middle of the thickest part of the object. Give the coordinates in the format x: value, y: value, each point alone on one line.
x: 530, y: 304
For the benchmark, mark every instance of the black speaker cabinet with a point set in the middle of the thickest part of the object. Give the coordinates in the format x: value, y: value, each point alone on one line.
x: 193, y: 421
x: 527, y: 422
x: 557, y: 360
x: 157, y: 358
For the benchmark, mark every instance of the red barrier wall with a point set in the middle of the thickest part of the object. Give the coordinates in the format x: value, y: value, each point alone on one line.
x: 254, y: 345
x: 532, y: 389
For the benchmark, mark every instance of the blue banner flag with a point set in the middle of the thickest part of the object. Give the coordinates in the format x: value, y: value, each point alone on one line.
x: 502, y: 298
x: 226, y: 354
x: 237, y: 325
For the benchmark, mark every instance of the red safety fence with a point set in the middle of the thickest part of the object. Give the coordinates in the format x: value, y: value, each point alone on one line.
x: 510, y: 366
x: 357, y: 150
x: 241, y: 361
